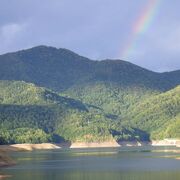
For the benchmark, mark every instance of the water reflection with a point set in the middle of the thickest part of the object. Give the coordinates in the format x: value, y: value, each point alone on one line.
x: 97, y: 164
x: 4, y: 176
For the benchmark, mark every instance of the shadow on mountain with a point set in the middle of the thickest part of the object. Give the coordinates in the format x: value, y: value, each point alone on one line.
x: 130, y: 135
x: 66, y: 101
x: 60, y: 141
x: 16, y: 116
x: 60, y: 69
x: 111, y: 116
x: 94, y: 107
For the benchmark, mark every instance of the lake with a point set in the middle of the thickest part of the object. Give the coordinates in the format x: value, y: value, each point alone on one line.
x: 125, y: 163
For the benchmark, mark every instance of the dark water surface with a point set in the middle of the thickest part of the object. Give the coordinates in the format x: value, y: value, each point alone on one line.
x: 133, y: 163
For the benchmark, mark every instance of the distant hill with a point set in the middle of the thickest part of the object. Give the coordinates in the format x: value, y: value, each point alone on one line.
x: 59, y: 95
x: 34, y: 114
x: 159, y: 115
x: 25, y: 105
x: 60, y: 69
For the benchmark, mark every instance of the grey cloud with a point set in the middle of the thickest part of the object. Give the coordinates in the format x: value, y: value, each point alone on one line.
x: 97, y: 29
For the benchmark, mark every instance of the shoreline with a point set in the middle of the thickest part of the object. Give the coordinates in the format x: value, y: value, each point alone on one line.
x: 5, y: 160
x: 49, y: 146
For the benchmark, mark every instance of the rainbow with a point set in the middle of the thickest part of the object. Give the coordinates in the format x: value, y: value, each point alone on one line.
x: 140, y: 27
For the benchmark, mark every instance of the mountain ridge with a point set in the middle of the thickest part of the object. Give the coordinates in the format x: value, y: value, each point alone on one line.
x: 45, y: 66
x: 53, y: 93
x: 38, y: 47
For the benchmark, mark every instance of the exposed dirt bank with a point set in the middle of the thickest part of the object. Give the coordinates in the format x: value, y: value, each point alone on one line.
x: 6, y: 161
x: 94, y: 144
x: 166, y: 142
x: 28, y: 147
x: 44, y: 146
x: 5, y: 176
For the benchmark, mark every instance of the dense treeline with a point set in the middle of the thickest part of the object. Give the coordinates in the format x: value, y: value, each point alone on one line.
x: 24, y: 135
x: 40, y: 115
x: 31, y: 114
x: 158, y: 115
x: 111, y: 97
x: 146, y: 109
x: 50, y: 117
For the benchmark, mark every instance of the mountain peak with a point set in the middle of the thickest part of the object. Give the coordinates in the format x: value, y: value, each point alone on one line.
x: 60, y: 69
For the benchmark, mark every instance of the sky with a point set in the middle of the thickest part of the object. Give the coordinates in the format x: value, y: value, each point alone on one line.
x: 144, y: 32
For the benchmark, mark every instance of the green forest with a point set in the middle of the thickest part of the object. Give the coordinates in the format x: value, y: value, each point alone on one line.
x: 55, y: 95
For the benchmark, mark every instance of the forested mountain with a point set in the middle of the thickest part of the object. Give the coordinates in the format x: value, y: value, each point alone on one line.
x: 60, y: 69
x: 50, y: 94
x: 158, y: 114
x: 26, y: 109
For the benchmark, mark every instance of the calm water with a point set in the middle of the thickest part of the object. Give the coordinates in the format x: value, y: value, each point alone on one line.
x: 142, y: 163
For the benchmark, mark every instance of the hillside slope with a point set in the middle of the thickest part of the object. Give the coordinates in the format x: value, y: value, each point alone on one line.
x: 60, y: 69
x: 158, y: 115
x: 57, y: 95
x: 34, y: 114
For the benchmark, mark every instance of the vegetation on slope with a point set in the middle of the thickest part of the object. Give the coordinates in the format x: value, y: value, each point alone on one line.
x: 116, y: 99
x: 31, y: 114
x: 158, y: 115
x: 111, y: 97
x: 60, y: 69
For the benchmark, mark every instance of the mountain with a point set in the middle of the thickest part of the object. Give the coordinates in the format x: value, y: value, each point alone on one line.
x: 60, y: 69
x: 34, y: 114
x: 24, y: 105
x: 159, y: 115
x: 59, y: 95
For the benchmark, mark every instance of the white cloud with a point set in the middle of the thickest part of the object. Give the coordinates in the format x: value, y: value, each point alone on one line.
x: 171, y: 42
x: 9, y: 32
x: 10, y: 36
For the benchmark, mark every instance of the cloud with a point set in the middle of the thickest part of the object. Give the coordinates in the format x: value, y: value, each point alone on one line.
x: 97, y: 29
x: 159, y: 48
x: 171, y: 42
x: 10, y: 33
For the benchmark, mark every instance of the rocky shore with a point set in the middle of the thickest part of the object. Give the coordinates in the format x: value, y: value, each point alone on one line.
x: 44, y: 146
x: 28, y: 147
x: 6, y: 161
